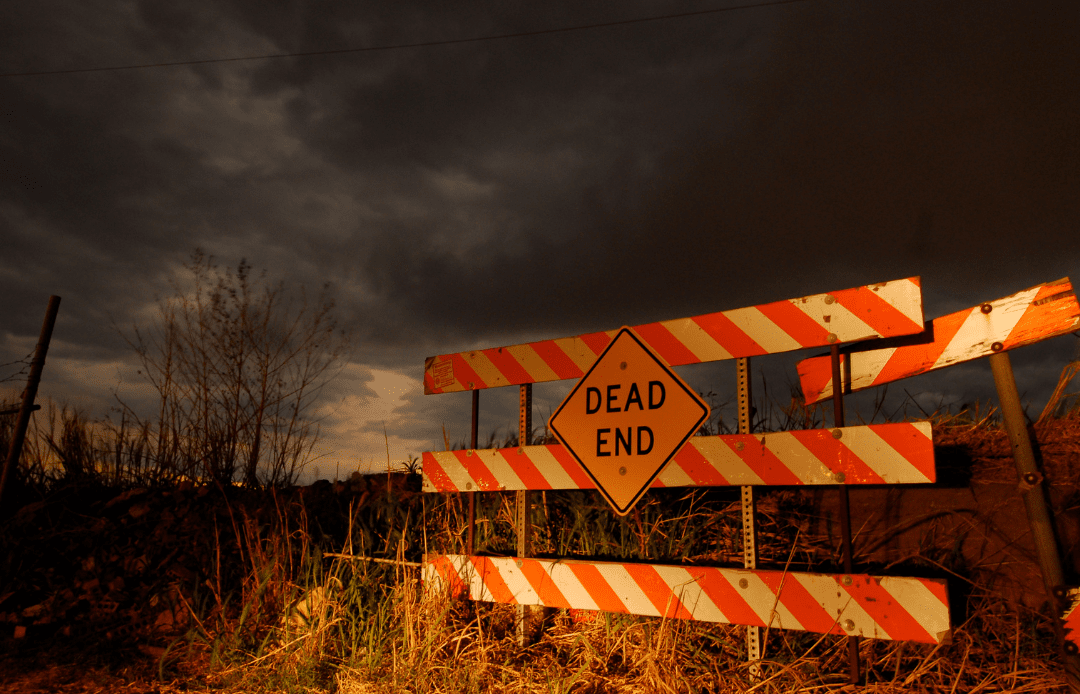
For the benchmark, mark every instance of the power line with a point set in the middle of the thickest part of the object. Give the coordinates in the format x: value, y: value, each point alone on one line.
x: 399, y: 46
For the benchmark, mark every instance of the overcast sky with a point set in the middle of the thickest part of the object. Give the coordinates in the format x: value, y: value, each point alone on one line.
x: 488, y: 193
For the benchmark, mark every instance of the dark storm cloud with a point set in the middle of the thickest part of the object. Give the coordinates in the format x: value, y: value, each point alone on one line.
x: 494, y: 192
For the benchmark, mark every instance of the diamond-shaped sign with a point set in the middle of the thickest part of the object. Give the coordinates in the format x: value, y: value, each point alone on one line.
x: 626, y: 418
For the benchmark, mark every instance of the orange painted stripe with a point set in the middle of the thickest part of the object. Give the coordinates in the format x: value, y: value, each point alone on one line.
x: 813, y: 377
x: 800, y: 603
x: 435, y: 472
x: 541, y: 582
x: 478, y: 471
x: 458, y: 586
x: 661, y: 341
x: 728, y: 335
x: 728, y: 599
x: 804, y: 329
x: 914, y: 359
x: 879, y: 314
x: 493, y: 580
x: 525, y: 469
x: 836, y: 456
x: 912, y: 445
x: 571, y: 466
x: 508, y: 366
x: 597, y: 586
x: 889, y: 614
x: 1041, y: 320
x: 658, y: 591
x: 597, y: 342
x: 556, y: 359
x: 464, y: 374
x: 694, y: 464
x: 761, y: 460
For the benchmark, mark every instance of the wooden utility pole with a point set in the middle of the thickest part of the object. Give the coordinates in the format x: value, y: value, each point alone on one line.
x: 16, y: 445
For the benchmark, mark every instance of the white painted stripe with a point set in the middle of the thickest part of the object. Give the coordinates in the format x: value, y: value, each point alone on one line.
x: 730, y: 465
x: 684, y: 586
x: 797, y: 458
x: 913, y: 596
x: 550, y: 468
x: 903, y: 295
x: 502, y: 471
x: 453, y: 468
x: 483, y: 367
x: 626, y: 588
x: 515, y: 581
x: 532, y: 363
x: 834, y: 318
x: 762, y: 330
x: 699, y: 342
x: 761, y: 599
x: 865, y: 367
x: 980, y: 330
x: 839, y: 603
x: 674, y: 476
x: 572, y: 589
x: 882, y: 458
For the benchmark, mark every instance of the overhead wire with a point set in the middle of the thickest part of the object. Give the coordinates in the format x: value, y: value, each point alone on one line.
x: 401, y: 46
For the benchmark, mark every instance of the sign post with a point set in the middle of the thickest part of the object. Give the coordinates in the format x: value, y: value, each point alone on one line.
x: 626, y: 418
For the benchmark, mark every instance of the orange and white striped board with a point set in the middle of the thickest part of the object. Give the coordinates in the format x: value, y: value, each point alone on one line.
x: 1026, y: 317
x: 877, y: 607
x: 876, y: 310
x: 900, y: 453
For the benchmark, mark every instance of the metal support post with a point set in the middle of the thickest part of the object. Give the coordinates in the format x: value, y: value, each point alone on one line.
x: 32, y: 381
x: 1034, y: 495
x: 470, y: 533
x: 845, y: 508
x: 525, y: 615
x: 749, y: 529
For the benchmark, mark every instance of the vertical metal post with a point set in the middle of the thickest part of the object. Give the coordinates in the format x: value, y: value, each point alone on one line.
x: 845, y: 507
x: 521, y: 510
x: 749, y: 529
x: 470, y: 532
x: 36, y: 367
x: 1034, y: 495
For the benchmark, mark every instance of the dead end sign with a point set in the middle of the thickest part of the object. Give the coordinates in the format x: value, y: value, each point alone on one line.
x: 626, y: 418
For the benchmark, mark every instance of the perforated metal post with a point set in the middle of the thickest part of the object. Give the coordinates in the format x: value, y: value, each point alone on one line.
x: 845, y: 507
x: 521, y: 512
x: 470, y: 532
x: 749, y: 529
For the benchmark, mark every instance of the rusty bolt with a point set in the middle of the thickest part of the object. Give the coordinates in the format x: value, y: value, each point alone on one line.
x: 1071, y: 648
x: 743, y: 583
x: 521, y: 451
x: 831, y: 338
x: 739, y: 445
x: 997, y: 347
x: 469, y: 452
x: 623, y: 366
x: 468, y: 485
x: 519, y: 563
x: 849, y: 625
x: 830, y: 299
x: 1033, y: 478
x: 846, y: 580
x: 840, y: 477
x: 837, y: 433
x: 986, y: 308
x: 622, y: 471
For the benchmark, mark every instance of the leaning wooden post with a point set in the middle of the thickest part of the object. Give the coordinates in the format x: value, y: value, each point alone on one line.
x: 16, y: 445
x: 521, y: 511
x: 845, y: 506
x: 1034, y: 495
x: 749, y: 529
